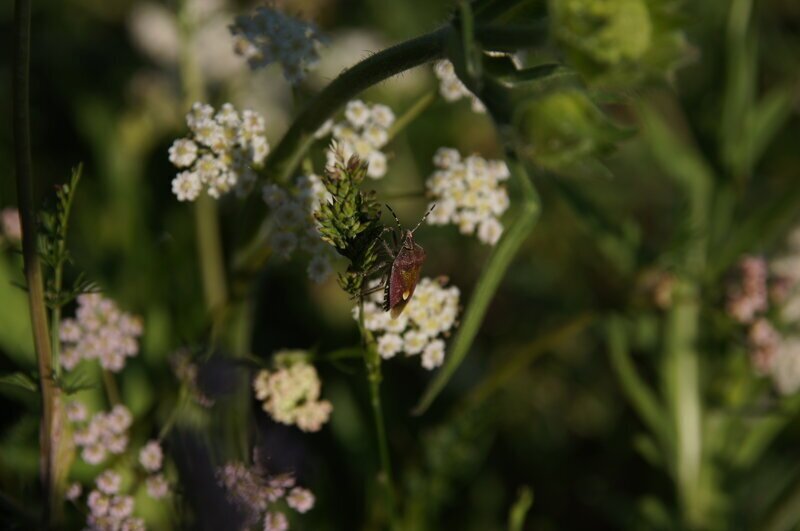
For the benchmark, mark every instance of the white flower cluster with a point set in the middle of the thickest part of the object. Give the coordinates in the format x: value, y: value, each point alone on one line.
x: 452, y: 89
x: 293, y: 213
x: 220, y: 153
x: 11, y: 224
x: 468, y: 192
x: 421, y: 328
x: 291, y: 396
x: 109, y: 508
x: 103, y: 435
x: 363, y: 132
x: 100, y: 331
x: 268, y: 36
x: 254, y: 492
x: 151, y: 457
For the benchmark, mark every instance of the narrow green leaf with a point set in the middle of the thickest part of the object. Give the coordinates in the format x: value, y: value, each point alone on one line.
x: 518, y: 512
x: 20, y: 380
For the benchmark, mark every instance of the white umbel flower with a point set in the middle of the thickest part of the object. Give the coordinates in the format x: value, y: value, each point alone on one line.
x: 428, y: 318
x: 452, y: 89
x: 469, y: 193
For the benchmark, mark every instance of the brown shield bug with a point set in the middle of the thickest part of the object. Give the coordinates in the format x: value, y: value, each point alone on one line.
x: 401, y: 269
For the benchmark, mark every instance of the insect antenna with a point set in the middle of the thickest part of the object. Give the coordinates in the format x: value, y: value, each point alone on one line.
x: 424, y: 217
x: 396, y: 219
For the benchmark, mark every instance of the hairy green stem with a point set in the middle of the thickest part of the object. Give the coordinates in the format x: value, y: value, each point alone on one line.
x: 372, y: 362
x: 286, y: 157
x: 49, y: 434
x: 487, y: 285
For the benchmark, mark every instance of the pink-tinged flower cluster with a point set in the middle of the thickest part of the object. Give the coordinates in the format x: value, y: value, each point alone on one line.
x: 762, y: 296
x: 290, y: 395
x: 103, y: 435
x: 11, y: 224
x: 108, y: 508
x: 100, y: 331
x: 256, y: 494
x: 469, y: 192
x: 220, y: 153
x: 748, y: 295
x: 268, y: 36
x: 422, y: 327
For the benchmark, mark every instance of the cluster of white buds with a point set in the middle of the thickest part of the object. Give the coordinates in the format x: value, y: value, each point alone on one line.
x: 290, y: 394
x: 293, y: 212
x: 468, y: 192
x: 268, y: 36
x: 151, y: 457
x: 256, y: 494
x: 451, y: 88
x: 100, y: 331
x: 103, y: 435
x: 363, y: 132
x: 10, y: 224
x: 422, y: 327
x: 220, y: 153
x: 108, y: 508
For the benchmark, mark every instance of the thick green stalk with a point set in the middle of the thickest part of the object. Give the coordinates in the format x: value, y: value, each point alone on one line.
x: 49, y: 434
x: 287, y: 155
x: 487, y: 285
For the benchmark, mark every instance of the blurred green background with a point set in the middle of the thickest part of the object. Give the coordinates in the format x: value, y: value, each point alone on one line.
x: 537, y: 402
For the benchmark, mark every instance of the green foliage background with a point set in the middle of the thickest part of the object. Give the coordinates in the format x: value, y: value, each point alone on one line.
x: 563, y: 390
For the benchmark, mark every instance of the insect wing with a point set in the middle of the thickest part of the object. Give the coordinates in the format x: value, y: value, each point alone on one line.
x: 404, y: 277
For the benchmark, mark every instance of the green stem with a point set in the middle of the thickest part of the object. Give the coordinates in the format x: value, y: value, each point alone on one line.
x: 372, y: 361
x: 683, y: 392
x: 49, y: 434
x: 212, y: 264
x: 487, y: 285
x: 636, y: 390
x: 286, y: 157
x: 412, y: 113
x: 110, y: 385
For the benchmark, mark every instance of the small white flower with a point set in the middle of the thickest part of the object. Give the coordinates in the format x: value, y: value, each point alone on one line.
x: 183, y: 152
x: 489, y: 231
x: 433, y: 355
x: 11, y: 224
x: 108, y: 482
x: 382, y: 116
x: 186, y: 186
x: 151, y: 456
x: 274, y: 196
x: 376, y: 136
x: 377, y: 164
x: 414, y: 342
x: 274, y: 521
x: 98, y: 503
x: 290, y: 214
x: 300, y: 499
x: 76, y: 411
x: 324, y: 130
x: 357, y: 113
x: 157, y: 486
x: 73, y: 492
x: 389, y: 345
x: 94, y: 454
x: 120, y: 507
